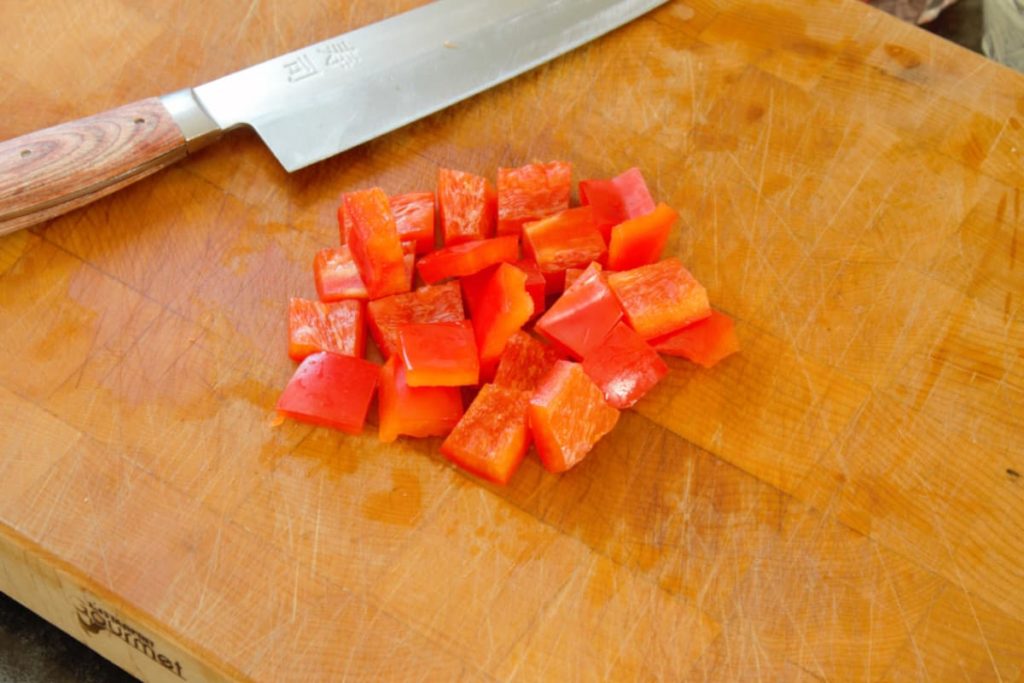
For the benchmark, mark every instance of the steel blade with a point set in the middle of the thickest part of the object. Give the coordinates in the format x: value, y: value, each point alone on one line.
x: 310, y: 104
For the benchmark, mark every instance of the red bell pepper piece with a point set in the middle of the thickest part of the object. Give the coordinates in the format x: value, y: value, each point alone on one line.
x: 429, y: 304
x: 623, y: 197
x: 337, y: 276
x: 491, y: 438
x: 414, y: 411
x: 374, y: 242
x: 583, y: 315
x: 524, y: 362
x: 439, y: 354
x: 568, y: 415
x: 531, y: 192
x: 503, y: 308
x: 331, y: 390
x: 639, y: 241
x: 467, y: 204
x: 624, y: 366
x: 473, y: 288
x: 554, y: 282
x: 572, y: 274
x: 567, y: 239
x: 467, y: 258
x: 704, y: 342
x: 536, y: 284
x: 660, y: 298
x: 414, y: 219
x: 315, y: 326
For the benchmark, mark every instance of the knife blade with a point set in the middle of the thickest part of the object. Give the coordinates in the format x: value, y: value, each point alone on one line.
x: 306, y: 105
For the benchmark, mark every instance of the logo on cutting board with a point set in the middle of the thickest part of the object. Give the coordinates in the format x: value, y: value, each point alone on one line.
x: 94, y: 620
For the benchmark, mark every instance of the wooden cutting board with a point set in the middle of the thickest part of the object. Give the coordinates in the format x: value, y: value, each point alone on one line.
x: 842, y: 500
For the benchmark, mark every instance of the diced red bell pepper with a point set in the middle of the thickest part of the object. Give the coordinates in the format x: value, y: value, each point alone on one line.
x: 473, y: 288
x: 428, y: 304
x: 524, y: 362
x: 583, y: 315
x: 572, y: 274
x: 331, y: 390
x: 660, y: 298
x: 640, y: 241
x: 554, y: 282
x: 704, y: 342
x: 439, y: 354
x: 409, y: 262
x: 623, y: 197
x: 532, y: 192
x: 624, y: 366
x: 567, y: 239
x: 337, y: 275
x: 374, y: 242
x: 536, y: 284
x: 467, y: 204
x: 316, y: 326
x: 568, y: 415
x: 491, y: 438
x: 414, y: 219
x: 344, y: 221
x: 467, y: 258
x: 504, y: 307
x: 414, y: 411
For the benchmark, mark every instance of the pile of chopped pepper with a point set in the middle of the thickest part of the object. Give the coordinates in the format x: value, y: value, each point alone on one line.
x: 545, y: 320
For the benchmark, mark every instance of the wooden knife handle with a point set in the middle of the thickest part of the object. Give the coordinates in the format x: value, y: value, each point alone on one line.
x: 52, y: 171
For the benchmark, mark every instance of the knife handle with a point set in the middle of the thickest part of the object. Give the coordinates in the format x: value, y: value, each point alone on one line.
x: 49, y: 172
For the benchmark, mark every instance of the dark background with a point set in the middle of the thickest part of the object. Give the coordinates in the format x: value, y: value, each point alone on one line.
x: 32, y: 651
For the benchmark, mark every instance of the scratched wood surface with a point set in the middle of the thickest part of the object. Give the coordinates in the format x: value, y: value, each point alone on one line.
x: 842, y: 501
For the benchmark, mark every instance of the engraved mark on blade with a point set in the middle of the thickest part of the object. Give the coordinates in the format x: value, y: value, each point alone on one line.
x: 340, y: 54
x: 300, y: 68
x: 336, y: 55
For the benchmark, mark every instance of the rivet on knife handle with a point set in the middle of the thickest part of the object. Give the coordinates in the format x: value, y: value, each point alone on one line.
x: 49, y: 172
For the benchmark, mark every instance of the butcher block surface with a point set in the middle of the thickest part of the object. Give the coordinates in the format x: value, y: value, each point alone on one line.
x: 843, y: 500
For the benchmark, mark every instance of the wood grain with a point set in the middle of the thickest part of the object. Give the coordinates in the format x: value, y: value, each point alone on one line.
x: 842, y: 500
x: 49, y: 172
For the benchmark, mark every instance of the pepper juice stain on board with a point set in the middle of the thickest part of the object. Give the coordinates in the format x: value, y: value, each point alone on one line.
x: 907, y: 59
x: 774, y: 184
x: 688, y: 17
x: 401, y: 504
x: 758, y: 27
x: 334, y: 454
x: 974, y: 151
x: 69, y: 327
x: 255, y: 393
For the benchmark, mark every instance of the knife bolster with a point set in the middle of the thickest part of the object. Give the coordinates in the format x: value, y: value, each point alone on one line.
x: 49, y: 172
x: 195, y: 123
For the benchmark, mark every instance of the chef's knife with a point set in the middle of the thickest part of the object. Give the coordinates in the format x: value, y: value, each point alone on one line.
x: 306, y: 105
